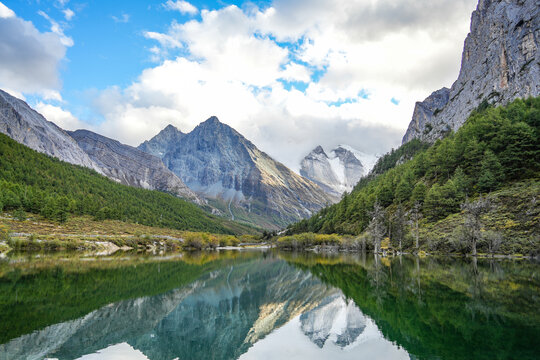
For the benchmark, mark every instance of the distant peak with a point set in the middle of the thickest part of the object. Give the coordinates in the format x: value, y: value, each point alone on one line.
x: 212, y: 120
x: 318, y: 150
x: 170, y: 127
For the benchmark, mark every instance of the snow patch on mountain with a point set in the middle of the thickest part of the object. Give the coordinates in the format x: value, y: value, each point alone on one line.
x: 338, y: 170
x: 367, y: 160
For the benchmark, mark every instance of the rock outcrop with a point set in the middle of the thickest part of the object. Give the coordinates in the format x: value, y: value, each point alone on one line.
x: 338, y: 171
x: 163, y: 142
x: 28, y: 127
x: 131, y: 166
x: 500, y: 63
x: 218, y: 162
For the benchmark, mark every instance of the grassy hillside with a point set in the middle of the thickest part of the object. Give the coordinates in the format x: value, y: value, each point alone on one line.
x: 496, y: 149
x: 36, y: 183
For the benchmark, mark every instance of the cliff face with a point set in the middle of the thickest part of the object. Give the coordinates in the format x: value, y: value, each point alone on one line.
x: 130, y: 166
x: 26, y: 126
x: 500, y: 63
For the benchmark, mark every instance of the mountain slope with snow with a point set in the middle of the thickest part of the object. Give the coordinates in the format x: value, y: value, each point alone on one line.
x: 339, y: 170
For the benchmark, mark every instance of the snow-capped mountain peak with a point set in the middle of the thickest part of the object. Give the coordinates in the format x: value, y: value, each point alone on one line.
x: 338, y: 170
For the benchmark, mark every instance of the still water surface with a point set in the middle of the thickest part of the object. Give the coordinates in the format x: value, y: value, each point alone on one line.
x: 267, y: 305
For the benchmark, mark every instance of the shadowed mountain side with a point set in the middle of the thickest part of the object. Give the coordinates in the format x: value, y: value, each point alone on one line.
x: 131, y: 166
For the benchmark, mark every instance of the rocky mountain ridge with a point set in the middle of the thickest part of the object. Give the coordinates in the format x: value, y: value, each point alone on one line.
x: 131, y: 166
x: 219, y: 163
x: 28, y: 127
x: 339, y: 170
x: 119, y: 162
x: 500, y: 62
x: 163, y: 142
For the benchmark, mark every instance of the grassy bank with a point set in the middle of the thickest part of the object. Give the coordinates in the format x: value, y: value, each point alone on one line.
x: 33, y: 233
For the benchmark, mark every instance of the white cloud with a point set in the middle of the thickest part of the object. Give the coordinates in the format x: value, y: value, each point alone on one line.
x: 58, y: 30
x: 69, y: 14
x: 63, y: 118
x: 234, y: 62
x: 163, y: 39
x: 6, y: 12
x: 296, y: 72
x: 30, y: 59
x: 183, y: 6
x: 122, y: 19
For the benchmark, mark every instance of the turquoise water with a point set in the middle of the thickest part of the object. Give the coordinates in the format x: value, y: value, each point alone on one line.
x: 267, y: 305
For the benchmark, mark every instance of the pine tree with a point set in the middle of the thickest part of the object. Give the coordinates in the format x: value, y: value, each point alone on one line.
x: 472, y: 157
x: 419, y: 193
x: 19, y: 214
x: 62, y: 209
x: 376, y: 226
x: 491, y: 172
x: 403, y: 190
x: 462, y: 183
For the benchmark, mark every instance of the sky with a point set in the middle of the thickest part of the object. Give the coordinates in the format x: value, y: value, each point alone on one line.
x: 287, y: 74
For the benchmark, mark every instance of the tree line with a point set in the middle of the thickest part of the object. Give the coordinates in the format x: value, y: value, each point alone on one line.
x: 495, y: 147
x: 36, y: 183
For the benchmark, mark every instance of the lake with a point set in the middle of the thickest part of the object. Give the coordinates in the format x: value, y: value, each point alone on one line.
x: 257, y: 304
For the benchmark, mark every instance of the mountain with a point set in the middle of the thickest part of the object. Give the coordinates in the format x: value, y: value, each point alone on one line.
x: 500, y: 63
x: 39, y: 184
x: 26, y: 126
x: 338, y: 171
x: 130, y: 166
x: 163, y: 142
x: 219, y: 163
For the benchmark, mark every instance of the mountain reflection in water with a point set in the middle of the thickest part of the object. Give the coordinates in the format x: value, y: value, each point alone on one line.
x: 272, y: 306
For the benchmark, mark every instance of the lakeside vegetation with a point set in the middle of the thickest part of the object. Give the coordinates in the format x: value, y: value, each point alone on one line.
x: 36, y: 183
x: 34, y: 233
x: 426, y: 203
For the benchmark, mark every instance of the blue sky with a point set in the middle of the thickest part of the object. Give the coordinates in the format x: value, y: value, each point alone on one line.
x: 110, y: 48
x: 288, y: 74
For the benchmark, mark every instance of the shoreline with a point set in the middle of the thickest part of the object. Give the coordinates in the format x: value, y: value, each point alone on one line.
x: 104, y: 248
x: 328, y: 250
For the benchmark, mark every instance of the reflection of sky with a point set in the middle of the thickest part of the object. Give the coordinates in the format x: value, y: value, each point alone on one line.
x: 289, y: 342
x: 122, y: 351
